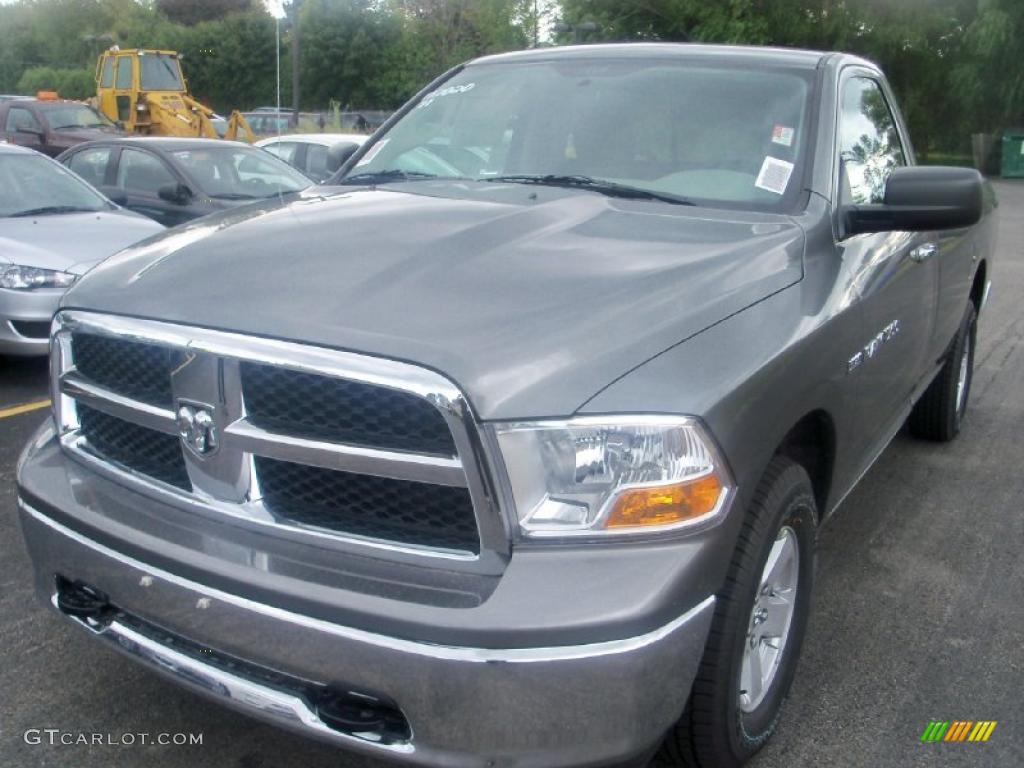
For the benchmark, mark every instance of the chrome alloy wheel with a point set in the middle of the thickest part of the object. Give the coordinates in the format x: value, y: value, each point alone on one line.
x: 965, y: 370
x: 770, y: 620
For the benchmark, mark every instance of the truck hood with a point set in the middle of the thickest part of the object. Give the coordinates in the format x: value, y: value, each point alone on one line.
x: 532, y: 299
x: 71, y: 242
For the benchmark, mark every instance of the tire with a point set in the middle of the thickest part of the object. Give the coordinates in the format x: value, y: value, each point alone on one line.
x: 721, y: 726
x: 940, y: 412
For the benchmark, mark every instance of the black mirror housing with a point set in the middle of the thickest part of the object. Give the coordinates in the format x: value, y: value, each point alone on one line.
x: 921, y: 199
x: 178, y: 194
x: 339, y: 153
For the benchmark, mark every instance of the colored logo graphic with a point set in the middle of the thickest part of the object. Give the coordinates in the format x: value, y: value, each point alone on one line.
x: 958, y: 730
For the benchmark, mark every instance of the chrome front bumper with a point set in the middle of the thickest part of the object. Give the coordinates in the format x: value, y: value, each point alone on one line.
x: 579, y: 705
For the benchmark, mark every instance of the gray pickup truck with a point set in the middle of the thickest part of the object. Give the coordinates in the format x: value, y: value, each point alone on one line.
x: 509, y: 445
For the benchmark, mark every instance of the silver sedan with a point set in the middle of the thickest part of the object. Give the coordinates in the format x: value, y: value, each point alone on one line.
x: 53, y: 228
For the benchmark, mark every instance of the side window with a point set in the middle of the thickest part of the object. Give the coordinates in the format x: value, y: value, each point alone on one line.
x: 91, y: 164
x: 316, y: 162
x: 20, y: 119
x: 142, y: 173
x: 284, y: 150
x: 107, y: 74
x: 124, y: 72
x: 869, y: 144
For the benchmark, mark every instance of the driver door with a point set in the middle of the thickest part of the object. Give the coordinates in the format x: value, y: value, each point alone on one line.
x: 896, y: 279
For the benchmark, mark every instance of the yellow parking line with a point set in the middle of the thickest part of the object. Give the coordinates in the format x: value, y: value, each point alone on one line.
x: 16, y: 410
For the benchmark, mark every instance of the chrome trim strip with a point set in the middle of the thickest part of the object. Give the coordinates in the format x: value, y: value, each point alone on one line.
x: 285, y: 354
x: 443, y: 652
x: 262, y: 700
x: 137, y: 412
x: 437, y: 470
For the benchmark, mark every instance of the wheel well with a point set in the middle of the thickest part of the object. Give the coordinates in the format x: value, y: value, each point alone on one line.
x: 812, y: 444
x: 978, y: 289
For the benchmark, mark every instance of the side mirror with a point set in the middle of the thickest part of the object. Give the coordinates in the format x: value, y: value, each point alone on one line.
x: 920, y: 199
x: 339, y: 153
x: 178, y: 194
x: 115, y: 195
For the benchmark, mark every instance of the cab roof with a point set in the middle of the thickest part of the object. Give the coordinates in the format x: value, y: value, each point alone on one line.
x: 750, y: 54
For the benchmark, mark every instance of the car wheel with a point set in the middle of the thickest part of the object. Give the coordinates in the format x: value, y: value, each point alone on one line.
x: 939, y: 413
x: 759, y: 623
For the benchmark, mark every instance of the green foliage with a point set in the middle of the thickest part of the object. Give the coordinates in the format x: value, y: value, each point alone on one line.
x: 69, y: 83
x: 191, y: 12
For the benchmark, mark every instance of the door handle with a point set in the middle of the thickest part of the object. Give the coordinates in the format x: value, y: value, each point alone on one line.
x: 924, y: 252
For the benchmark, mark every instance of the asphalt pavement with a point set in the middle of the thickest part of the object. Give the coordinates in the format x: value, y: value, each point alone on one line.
x: 917, y: 613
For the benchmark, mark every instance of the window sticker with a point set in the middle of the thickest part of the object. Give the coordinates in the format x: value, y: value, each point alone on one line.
x: 447, y: 91
x: 372, y: 152
x: 783, y: 134
x: 774, y: 175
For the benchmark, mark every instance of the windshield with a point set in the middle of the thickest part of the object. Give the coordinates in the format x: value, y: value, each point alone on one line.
x: 239, y: 172
x: 76, y: 116
x: 35, y: 184
x: 711, y: 134
x: 159, y: 72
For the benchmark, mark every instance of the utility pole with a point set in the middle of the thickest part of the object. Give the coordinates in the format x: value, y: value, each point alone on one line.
x: 293, y: 8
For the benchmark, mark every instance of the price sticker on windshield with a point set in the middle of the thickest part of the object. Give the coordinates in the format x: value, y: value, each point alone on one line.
x: 774, y: 175
x: 783, y: 134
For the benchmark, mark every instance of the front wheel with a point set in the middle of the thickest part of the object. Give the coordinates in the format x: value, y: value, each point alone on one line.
x: 759, y: 623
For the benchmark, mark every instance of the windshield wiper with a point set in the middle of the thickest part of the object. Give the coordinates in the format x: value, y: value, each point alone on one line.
x: 78, y: 125
x: 53, y: 209
x: 610, y: 188
x: 235, y: 196
x: 381, y: 177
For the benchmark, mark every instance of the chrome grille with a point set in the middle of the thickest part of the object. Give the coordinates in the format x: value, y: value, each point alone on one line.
x: 133, y: 447
x: 309, y: 405
x: 379, y: 507
x: 311, y: 441
x: 129, y: 368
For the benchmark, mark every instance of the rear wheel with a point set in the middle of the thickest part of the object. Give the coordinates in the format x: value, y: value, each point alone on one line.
x: 939, y: 413
x: 757, y: 631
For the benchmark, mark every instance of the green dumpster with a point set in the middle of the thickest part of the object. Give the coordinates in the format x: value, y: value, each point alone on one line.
x: 1013, y: 154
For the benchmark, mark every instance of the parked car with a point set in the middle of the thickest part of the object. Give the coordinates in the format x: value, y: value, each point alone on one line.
x: 51, y: 127
x: 176, y: 180
x: 510, y: 446
x: 12, y: 97
x: 53, y: 228
x: 318, y: 155
x: 266, y: 123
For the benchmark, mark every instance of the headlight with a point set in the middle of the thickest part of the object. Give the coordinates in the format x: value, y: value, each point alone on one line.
x: 612, y: 475
x: 21, y: 278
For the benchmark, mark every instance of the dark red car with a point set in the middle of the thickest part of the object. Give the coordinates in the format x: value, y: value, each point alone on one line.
x: 51, y: 126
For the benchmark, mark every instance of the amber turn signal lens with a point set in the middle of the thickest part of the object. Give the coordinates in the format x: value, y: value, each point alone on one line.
x: 665, y: 505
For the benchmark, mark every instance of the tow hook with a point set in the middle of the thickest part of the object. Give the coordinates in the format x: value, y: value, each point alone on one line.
x: 82, y: 601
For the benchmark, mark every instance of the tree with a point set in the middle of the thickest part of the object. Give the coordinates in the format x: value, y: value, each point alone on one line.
x: 190, y: 12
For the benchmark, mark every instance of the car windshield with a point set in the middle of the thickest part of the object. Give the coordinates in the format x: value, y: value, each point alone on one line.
x: 669, y: 128
x: 159, y: 72
x: 239, y: 172
x: 33, y: 184
x: 76, y: 116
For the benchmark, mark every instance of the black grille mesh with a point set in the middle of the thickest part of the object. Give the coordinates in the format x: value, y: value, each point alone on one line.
x: 381, y: 508
x: 130, y: 368
x: 137, y: 448
x: 308, y: 405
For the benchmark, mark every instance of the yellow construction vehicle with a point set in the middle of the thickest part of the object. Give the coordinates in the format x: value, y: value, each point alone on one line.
x: 146, y: 92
